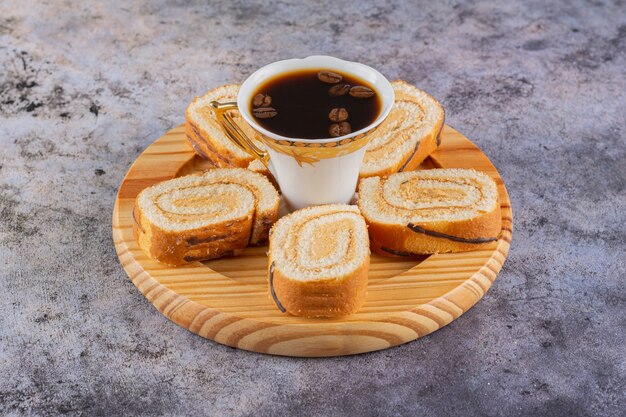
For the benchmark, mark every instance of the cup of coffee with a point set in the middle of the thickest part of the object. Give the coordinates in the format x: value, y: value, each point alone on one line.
x: 312, y: 118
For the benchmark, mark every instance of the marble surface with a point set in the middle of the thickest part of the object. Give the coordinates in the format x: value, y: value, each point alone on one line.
x: 85, y: 86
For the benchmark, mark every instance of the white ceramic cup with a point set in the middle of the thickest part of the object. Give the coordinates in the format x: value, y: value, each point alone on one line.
x: 308, y: 171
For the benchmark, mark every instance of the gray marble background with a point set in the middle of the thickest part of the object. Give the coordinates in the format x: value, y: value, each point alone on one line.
x: 85, y: 86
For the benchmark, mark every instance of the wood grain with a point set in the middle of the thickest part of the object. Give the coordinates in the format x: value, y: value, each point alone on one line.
x: 227, y: 300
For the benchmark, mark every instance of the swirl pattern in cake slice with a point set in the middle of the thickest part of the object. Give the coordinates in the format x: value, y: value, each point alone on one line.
x: 319, y: 261
x: 200, y: 217
x: 430, y: 211
x: 407, y: 136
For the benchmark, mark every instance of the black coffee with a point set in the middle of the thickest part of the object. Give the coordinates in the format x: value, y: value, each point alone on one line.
x: 315, y: 104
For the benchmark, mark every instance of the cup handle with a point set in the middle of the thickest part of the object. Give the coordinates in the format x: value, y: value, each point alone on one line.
x: 234, y: 132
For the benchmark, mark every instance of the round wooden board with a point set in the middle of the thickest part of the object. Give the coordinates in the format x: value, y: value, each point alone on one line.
x: 227, y: 300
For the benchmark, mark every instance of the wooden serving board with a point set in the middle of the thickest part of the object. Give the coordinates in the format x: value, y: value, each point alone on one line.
x: 226, y: 300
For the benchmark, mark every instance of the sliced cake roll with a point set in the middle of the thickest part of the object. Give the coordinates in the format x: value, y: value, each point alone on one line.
x: 407, y: 136
x: 206, y: 135
x: 318, y: 261
x: 430, y: 211
x: 206, y: 216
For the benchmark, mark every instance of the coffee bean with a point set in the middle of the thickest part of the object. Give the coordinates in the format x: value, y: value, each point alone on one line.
x: 262, y: 100
x: 329, y: 77
x: 338, y: 115
x: 264, y: 112
x: 360, y: 91
x: 339, y: 90
x: 339, y: 129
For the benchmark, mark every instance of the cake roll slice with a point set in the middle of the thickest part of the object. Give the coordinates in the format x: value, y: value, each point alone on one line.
x: 407, y: 136
x: 206, y: 136
x: 430, y: 211
x: 206, y: 216
x: 318, y: 261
